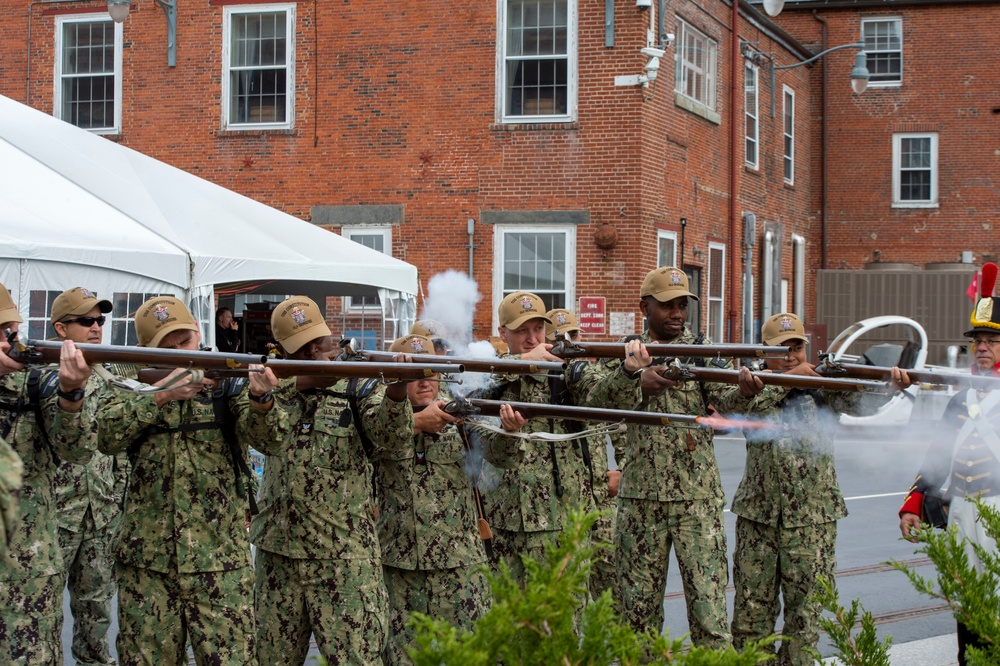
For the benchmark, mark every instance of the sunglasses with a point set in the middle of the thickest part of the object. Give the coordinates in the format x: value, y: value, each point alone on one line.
x: 87, y: 322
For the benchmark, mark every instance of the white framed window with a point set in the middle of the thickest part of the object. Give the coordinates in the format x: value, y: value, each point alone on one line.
x: 788, y: 128
x: 666, y: 248
x: 88, y: 72
x: 715, y: 321
x: 537, y: 77
x: 883, y: 40
x: 697, y: 59
x: 378, y: 239
x: 751, y: 89
x: 540, y: 259
x: 915, y: 170
x: 258, y: 66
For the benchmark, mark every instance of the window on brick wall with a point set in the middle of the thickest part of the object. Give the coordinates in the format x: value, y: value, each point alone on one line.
x: 788, y: 123
x: 258, y: 55
x: 666, y: 250
x: 88, y: 87
x: 696, y: 59
x: 376, y: 238
x: 538, y: 71
x: 539, y: 259
x: 750, y: 112
x: 715, y: 325
x: 883, y: 39
x: 914, y: 170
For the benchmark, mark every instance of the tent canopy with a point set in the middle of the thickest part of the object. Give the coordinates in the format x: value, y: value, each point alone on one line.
x: 75, y: 206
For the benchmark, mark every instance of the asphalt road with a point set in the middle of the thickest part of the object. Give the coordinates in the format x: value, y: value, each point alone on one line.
x: 874, y: 468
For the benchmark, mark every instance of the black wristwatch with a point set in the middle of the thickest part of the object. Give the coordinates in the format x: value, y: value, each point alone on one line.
x: 262, y: 399
x: 76, y: 395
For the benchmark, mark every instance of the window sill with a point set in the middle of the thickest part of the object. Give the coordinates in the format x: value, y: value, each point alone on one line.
x: 569, y: 125
x: 251, y: 131
x: 750, y: 168
x: 789, y: 186
x: 697, y: 108
x: 898, y: 204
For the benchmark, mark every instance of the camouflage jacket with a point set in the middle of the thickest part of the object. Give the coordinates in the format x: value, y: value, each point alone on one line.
x: 790, y: 480
x: 427, y: 515
x: 316, y: 496
x: 182, y: 511
x: 99, y: 485
x: 526, y: 497
x: 11, y: 475
x: 34, y: 542
x: 671, y: 463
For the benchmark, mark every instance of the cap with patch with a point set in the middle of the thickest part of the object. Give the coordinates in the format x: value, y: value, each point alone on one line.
x: 428, y: 328
x: 985, y: 317
x: 159, y: 316
x: 296, y: 321
x: 562, y: 320
x: 76, y: 302
x: 666, y: 284
x: 519, y: 307
x: 412, y: 344
x: 782, y: 328
x: 8, y: 311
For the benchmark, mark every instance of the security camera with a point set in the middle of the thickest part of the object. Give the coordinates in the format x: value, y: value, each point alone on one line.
x: 668, y: 39
x: 643, y: 4
x: 652, y: 68
x: 652, y: 52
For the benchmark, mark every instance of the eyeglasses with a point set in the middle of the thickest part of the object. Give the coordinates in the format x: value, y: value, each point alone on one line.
x: 991, y: 343
x: 86, y: 322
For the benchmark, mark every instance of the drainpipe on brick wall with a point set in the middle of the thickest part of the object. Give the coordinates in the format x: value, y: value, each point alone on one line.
x: 734, y: 332
x: 822, y: 146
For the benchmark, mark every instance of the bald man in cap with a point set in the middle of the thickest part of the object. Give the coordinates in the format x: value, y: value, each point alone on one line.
x: 318, y: 565
x: 89, y: 498
x: 42, y: 417
x: 529, y: 506
x: 184, y: 570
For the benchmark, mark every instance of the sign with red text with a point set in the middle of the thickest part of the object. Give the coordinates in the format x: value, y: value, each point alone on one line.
x: 593, y: 315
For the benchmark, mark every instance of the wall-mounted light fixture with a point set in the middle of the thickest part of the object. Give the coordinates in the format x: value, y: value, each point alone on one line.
x: 118, y: 9
x: 651, y: 70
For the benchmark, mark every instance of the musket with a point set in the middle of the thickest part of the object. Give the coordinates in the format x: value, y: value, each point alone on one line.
x: 35, y: 352
x: 683, y: 373
x: 463, y: 407
x: 496, y: 366
x: 566, y: 348
x: 831, y: 368
x: 363, y: 369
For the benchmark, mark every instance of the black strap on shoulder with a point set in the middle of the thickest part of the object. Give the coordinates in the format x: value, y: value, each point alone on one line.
x: 485, y: 533
x: 38, y: 390
x: 354, y: 393
x: 559, y: 394
x: 227, y: 426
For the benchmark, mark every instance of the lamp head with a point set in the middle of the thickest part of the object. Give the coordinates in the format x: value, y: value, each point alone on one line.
x: 118, y: 9
x: 859, y: 75
x: 773, y: 7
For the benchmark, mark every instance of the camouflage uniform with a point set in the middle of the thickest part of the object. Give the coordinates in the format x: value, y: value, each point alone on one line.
x: 184, y: 566
x: 788, y: 504
x: 427, y: 527
x: 31, y: 579
x: 11, y: 478
x: 89, y: 500
x: 318, y: 566
x: 671, y: 497
x: 603, y: 575
x: 526, y: 509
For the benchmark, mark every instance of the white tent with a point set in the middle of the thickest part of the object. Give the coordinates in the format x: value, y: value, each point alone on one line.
x: 78, y: 209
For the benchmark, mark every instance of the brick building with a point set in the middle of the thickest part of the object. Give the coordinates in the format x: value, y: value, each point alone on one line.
x: 525, y: 141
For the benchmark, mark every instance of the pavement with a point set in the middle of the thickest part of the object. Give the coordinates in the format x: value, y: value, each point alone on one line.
x: 936, y: 651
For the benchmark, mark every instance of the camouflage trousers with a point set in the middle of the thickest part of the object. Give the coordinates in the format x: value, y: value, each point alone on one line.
x: 31, y: 621
x: 90, y: 563
x: 159, y: 612
x: 603, y: 574
x: 343, y: 603
x: 645, y: 532
x: 510, y: 546
x: 769, y: 560
x: 459, y: 596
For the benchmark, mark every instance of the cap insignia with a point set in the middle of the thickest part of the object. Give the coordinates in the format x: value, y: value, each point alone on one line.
x: 298, y: 316
x: 161, y: 313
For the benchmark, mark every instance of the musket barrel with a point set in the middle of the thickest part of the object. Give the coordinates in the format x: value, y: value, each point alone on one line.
x: 48, y: 351
x: 617, y: 350
x: 781, y: 379
x: 918, y: 376
x: 544, y: 410
x: 348, y: 369
x: 497, y: 366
